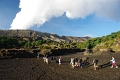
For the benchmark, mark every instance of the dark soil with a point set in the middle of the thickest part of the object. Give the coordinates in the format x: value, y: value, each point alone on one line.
x: 36, y: 69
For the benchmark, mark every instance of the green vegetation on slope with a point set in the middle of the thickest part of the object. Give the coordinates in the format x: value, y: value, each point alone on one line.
x: 109, y: 41
x: 8, y: 43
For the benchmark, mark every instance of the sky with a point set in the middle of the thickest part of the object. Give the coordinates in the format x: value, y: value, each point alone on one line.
x: 79, y: 18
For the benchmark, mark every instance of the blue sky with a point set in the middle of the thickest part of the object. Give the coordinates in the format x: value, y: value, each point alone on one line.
x: 91, y: 25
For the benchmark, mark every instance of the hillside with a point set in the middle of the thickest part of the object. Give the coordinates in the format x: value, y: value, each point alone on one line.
x: 103, y: 45
x: 31, y: 35
x: 42, y: 40
x: 111, y: 41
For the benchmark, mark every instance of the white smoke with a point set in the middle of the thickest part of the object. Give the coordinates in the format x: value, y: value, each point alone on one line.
x: 37, y: 12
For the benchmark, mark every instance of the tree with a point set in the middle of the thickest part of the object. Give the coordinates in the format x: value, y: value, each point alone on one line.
x: 27, y: 45
x: 39, y: 42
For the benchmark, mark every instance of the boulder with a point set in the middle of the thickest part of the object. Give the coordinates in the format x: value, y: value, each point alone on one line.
x: 46, y: 51
x: 88, y: 52
x: 107, y: 51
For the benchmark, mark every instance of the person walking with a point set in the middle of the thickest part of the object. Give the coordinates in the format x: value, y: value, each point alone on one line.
x: 46, y: 59
x: 95, y: 62
x: 113, y: 62
x: 51, y: 58
x: 38, y: 55
x: 80, y: 63
x: 76, y: 61
x: 54, y: 59
x: 73, y: 62
x: 60, y: 60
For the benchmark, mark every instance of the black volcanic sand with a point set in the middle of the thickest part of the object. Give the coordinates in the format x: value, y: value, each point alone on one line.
x: 36, y: 69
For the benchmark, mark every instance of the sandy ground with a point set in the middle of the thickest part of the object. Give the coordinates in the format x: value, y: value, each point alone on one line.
x: 36, y: 69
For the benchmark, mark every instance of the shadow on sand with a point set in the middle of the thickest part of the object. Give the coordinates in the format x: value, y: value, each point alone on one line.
x: 105, y: 65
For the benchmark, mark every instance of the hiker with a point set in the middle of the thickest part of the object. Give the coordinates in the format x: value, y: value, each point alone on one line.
x: 54, y: 59
x: 38, y: 55
x: 84, y: 63
x: 72, y: 62
x: 46, y: 59
x: 51, y: 58
x: 80, y: 62
x: 76, y: 61
x: 60, y: 60
x: 95, y: 62
x: 113, y: 62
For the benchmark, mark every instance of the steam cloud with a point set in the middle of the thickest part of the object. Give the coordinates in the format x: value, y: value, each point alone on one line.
x: 37, y: 12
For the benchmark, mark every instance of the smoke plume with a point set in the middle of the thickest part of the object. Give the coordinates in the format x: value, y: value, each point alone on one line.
x: 37, y: 12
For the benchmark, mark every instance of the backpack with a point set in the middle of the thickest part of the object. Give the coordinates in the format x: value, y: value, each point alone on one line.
x: 95, y: 61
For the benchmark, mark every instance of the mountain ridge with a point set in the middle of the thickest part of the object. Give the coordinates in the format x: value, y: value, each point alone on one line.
x: 31, y: 35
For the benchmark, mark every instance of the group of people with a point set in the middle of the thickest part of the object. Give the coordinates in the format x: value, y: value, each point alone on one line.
x: 53, y: 59
x: 95, y: 62
x: 75, y: 62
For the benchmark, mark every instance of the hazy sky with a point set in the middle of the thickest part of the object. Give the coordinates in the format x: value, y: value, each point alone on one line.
x: 94, y: 18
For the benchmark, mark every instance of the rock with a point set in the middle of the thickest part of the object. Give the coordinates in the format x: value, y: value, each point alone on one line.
x: 88, y: 52
x: 46, y: 51
x: 107, y: 51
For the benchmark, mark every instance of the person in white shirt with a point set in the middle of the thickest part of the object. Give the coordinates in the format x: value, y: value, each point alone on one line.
x: 113, y: 62
x: 60, y: 60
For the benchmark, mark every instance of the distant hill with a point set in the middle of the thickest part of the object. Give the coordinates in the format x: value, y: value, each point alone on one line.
x: 31, y: 35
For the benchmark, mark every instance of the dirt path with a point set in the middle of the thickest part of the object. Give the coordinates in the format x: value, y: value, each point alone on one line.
x: 36, y: 69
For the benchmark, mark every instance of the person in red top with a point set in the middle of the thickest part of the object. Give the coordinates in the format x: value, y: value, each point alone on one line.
x: 113, y: 62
